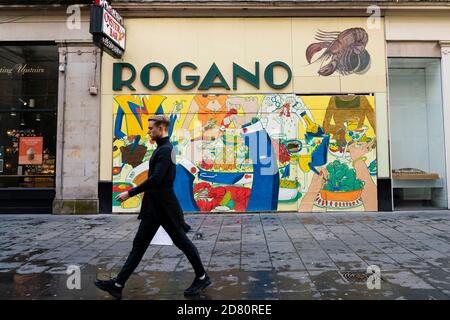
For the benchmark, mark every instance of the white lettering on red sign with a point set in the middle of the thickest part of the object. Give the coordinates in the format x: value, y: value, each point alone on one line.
x: 113, y: 29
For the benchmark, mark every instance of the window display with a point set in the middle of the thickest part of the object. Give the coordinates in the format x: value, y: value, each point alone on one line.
x: 28, y: 104
x: 417, y: 133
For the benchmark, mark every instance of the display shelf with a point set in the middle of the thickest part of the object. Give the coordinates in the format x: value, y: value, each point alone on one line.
x: 29, y: 111
x: 415, y: 176
x: 27, y: 176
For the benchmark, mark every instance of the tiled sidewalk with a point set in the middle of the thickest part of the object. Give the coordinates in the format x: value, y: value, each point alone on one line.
x: 260, y: 256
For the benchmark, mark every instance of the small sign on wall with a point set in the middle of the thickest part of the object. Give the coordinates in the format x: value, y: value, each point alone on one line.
x: 106, y: 26
x: 30, y: 150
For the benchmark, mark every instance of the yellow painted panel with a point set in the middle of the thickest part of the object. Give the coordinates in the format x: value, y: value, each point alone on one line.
x: 382, y: 136
x: 312, y: 84
x: 242, y: 40
x: 106, y: 138
x: 354, y: 84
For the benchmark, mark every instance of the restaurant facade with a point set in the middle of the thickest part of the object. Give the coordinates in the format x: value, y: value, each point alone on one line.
x: 298, y: 107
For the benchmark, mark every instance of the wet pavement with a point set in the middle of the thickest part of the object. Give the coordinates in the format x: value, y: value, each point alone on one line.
x: 248, y: 256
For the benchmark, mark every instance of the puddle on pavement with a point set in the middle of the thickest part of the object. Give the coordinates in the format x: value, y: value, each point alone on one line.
x: 258, y: 285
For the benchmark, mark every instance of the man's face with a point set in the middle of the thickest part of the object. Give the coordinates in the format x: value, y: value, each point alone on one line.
x: 155, y: 132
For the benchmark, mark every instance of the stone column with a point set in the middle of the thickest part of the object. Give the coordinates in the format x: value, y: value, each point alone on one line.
x: 78, y: 142
x: 445, y: 70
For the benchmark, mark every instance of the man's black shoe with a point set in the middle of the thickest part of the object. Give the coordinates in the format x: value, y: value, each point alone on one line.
x: 197, y: 286
x: 110, y: 287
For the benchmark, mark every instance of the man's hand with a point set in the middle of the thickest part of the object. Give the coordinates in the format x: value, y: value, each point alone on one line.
x: 122, y: 196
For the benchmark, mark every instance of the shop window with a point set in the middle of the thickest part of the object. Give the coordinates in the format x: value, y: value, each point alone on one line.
x: 417, y: 133
x: 28, y: 105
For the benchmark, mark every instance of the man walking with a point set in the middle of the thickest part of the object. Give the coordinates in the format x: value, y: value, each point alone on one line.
x: 160, y: 207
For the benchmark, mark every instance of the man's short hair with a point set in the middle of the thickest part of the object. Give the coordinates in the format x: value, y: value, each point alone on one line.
x: 160, y: 120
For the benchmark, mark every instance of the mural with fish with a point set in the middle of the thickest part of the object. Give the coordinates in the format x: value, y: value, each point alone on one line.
x: 246, y: 153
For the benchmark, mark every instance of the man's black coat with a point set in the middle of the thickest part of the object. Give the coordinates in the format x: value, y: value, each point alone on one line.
x: 160, y: 202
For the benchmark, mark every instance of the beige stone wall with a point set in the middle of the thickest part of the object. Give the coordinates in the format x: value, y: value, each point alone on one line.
x: 43, y: 25
x: 78, y: 130
x: 423, y: 27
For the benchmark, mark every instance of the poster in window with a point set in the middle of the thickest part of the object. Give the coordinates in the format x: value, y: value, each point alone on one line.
x: 30, y: 150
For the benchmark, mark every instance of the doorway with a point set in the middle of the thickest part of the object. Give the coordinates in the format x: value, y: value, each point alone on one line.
x: 417, y: 134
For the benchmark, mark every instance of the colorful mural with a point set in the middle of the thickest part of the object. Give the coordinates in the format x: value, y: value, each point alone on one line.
x: 244, y: 153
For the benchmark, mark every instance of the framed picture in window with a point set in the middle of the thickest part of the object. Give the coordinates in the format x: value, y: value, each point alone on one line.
x: 30, y: 150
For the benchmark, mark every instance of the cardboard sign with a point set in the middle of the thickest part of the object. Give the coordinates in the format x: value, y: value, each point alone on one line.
x: 30, y: 150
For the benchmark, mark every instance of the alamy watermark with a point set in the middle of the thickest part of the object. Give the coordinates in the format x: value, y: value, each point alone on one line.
x: 374, y: 21
x: 74, y: 20
x: 74, y: 278
x: 374, y: 280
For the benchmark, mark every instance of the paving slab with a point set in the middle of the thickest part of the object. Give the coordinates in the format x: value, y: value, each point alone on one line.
x: 291, y: 256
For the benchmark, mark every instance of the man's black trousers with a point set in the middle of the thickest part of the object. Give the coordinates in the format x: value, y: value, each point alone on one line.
x: 147, y: 230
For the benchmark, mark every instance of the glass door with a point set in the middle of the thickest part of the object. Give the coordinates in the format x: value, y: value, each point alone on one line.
x: 417, y: 134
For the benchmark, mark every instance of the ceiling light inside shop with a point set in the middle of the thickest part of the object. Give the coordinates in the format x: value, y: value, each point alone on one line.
x: 23, y: 102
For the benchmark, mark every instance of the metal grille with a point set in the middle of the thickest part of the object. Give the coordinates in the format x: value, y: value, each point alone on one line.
x: 355, y: 276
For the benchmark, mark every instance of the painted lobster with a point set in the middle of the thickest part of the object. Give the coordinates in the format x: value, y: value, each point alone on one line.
x: 345, y: 51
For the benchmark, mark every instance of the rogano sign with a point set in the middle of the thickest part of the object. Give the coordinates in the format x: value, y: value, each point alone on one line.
x: 212, y: 79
